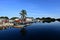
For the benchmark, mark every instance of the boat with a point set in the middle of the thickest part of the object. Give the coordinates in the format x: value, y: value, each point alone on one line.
x: 19, y: 26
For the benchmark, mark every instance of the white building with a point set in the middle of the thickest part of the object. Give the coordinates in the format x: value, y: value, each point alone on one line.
x: 29, y: 19
x: 1, y: 20
x: 11, y: 20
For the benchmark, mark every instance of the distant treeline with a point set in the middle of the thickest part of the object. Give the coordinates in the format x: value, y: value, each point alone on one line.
x: 5, y: 17
x: 49, y: 19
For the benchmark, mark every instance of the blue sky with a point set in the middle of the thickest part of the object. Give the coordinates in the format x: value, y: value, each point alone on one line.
x: 34, y: 8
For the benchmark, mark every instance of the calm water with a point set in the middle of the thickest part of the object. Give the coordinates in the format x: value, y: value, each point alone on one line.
x: 36, y: 31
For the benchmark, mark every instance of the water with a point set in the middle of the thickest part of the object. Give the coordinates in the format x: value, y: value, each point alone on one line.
x: 36, y: 31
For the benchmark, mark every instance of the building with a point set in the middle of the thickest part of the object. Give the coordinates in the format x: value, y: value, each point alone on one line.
x: 18, y: 20
x: 3, y: 20
x: 11, y: 21
x: 29, y: 19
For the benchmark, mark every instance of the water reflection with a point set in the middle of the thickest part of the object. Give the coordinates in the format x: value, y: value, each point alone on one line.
x: 23, y: 31
x: 28, y: 24
x: 24, y: 28
x: 2, y: 28
x: 35, y: 31
x: 47, y: 21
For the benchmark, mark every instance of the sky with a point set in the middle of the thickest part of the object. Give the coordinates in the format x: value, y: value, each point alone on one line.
x: 34, y: 8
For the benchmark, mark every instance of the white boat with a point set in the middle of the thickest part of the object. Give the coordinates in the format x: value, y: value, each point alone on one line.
x: 19, y: 26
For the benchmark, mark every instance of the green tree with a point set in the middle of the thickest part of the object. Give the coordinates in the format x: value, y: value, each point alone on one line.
x: 4, y: 17
x: 23, y: 14
x: 13, y: 18
x: 38, y: 18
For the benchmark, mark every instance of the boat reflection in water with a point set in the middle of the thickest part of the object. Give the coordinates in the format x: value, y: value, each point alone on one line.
x: 20, y: 25
x: 23, y: 31
x: 2, y: 28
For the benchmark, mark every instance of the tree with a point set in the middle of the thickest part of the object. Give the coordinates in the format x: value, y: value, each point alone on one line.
x: 38, y: 18
x: 14, y: 18
x: 58, y: 19
x: 23, y: 14
x: 4, y: 17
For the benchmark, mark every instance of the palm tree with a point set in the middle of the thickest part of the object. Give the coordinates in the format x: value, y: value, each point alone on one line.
x: 23, y: 14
